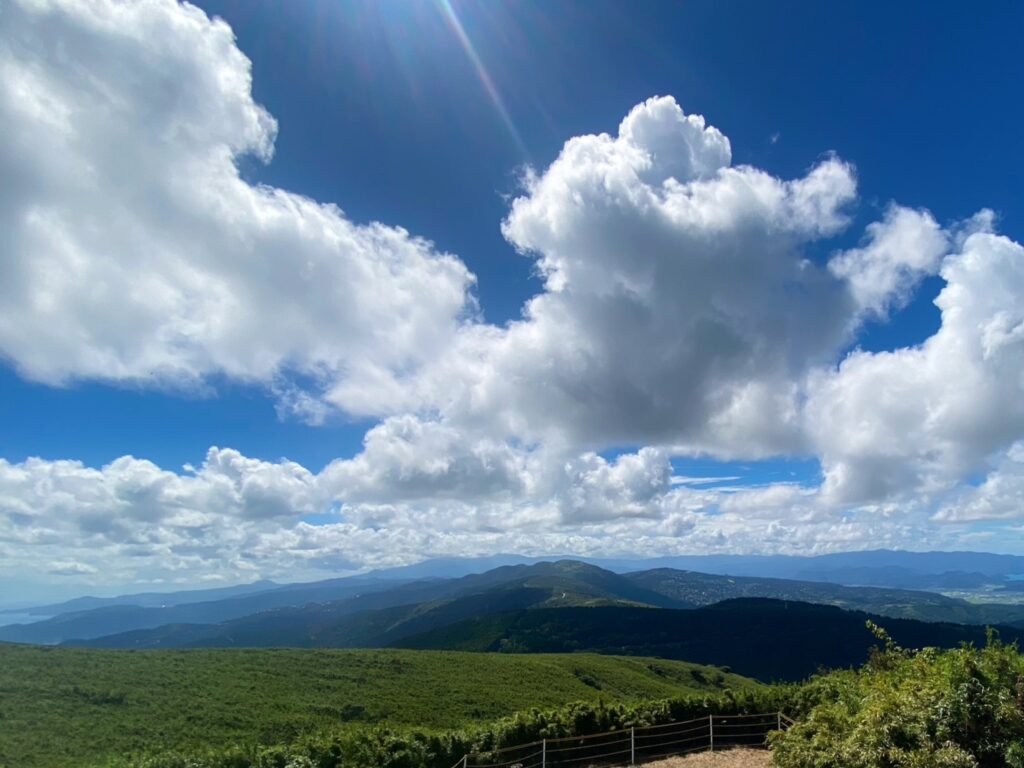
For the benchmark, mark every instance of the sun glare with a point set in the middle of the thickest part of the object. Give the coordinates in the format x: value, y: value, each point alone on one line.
x: 453, y: 22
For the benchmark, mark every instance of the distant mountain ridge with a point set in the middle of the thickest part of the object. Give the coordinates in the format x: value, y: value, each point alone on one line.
x: 705, y: 589
x: 581, y: 584
x: 761, y: 638
x: 380, y: 618
x: 150, y: 599
x: 120, y: 618
x: 884, y: 568
x: 570, y: 606
x: 320, y: 605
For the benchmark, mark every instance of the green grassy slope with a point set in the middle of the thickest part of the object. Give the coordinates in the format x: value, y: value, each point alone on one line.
x: 74, y: 707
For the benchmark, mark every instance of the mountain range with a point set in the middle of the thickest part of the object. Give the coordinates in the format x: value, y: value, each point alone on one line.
x: 881, y: 568
x: 765, y: 627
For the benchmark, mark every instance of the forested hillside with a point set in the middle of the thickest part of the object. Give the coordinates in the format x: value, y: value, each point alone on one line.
x: 72, y: 708
x: 765, y: 639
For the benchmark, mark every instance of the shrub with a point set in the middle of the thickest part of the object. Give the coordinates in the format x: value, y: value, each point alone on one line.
x: 961, y: 708
x: 370, y: 747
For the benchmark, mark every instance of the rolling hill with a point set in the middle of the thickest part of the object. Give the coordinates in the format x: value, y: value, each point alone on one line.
x: 373, y: 621
x: 65, y: 707
x: 566, y: 582
x: 760, y: 638
x: 335, y: 612
x: 764, y: 639
x: 705, y: 589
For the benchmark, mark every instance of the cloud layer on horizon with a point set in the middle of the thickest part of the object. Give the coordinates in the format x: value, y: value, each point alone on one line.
x: 682, y: 310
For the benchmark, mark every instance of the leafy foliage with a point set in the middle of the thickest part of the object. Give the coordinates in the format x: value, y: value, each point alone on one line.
x: 406, y: 748
x: 961, y: 708
x: 77, y: 707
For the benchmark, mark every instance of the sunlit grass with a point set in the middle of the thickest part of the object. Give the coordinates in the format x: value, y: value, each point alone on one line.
x: 72, y: 707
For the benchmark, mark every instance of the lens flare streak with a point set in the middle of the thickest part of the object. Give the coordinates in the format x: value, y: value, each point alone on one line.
x: 452, y: 19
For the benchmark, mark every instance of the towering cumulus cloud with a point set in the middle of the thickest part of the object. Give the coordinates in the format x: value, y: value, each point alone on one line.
x: 133, y: 250
x: 679, y: 307
x: 689, y: 307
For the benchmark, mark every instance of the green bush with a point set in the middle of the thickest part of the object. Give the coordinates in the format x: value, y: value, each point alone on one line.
x: 371, y: 747
x: 962, y: 708
x: 83, y: 707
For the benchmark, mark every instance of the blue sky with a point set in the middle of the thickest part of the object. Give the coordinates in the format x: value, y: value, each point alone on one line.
x: 921, y: 102
x: 425, y: 116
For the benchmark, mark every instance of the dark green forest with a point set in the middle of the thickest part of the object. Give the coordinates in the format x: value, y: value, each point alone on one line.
x: 770, y: 640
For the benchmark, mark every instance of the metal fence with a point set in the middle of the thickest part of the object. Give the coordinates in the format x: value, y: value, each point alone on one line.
x: 630, y: 746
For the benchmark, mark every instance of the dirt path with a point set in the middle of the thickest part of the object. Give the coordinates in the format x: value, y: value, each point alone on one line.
x: 731, y: 758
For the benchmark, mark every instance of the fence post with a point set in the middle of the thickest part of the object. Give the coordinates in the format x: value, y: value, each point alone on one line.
x: 465, y: 760
x: 543, y: 753
x: 711, y: 730
x: 632, y: 746
x: 780, y: 719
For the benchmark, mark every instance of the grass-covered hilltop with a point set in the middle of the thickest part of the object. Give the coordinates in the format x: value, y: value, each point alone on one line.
x: 83, y: 707
x: 958, y: 708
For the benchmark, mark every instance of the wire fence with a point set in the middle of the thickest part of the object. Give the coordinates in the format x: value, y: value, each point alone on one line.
x: 630, y: 746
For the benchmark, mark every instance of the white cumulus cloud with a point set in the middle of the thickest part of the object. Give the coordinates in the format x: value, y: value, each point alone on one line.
x: 902, y: 248
x: 686, y: 310
x: 999, y: 497
x: 920, y: 419
x: 679, y: 306
x: 133, y: 249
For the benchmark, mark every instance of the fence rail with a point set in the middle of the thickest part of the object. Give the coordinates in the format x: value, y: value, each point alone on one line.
x: 629, y: 746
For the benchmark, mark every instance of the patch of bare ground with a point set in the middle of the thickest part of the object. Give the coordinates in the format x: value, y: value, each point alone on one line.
x: 730, y: 758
